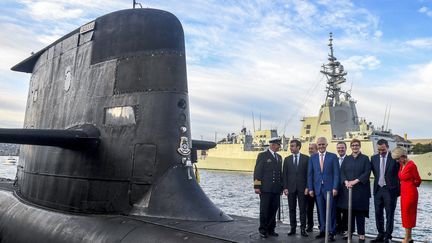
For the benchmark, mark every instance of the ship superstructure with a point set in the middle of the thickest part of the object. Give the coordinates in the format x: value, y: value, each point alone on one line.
x: 337, y: 120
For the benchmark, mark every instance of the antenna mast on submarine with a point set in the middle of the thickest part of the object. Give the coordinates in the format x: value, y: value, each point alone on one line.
x: 135, y: 3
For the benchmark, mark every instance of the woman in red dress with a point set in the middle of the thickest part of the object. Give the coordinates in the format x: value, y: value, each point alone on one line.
x: 409, y: 180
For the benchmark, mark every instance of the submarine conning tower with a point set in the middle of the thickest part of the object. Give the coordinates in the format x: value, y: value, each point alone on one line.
x: 119, y: 83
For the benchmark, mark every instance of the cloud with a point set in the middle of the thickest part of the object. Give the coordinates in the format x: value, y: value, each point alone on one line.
x: 358, y: 63
x: 426, y: 11
x: 242, y: 56
x: 408, y: 95
x: 43, y: 10
x: 12, y: 107
x: 420, y: 43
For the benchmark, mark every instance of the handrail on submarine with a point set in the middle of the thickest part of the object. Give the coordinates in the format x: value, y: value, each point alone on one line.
x: 86, y: 137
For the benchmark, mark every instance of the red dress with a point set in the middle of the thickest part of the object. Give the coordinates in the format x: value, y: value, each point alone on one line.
x: 409, y: 180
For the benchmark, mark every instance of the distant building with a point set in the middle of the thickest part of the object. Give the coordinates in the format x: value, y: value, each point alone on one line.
x: 404, y: 142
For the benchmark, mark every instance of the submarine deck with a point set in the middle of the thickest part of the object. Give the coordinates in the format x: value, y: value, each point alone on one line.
x: 241, y: 229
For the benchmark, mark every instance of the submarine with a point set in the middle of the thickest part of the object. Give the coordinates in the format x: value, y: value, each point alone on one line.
x: 106, y: 146
x: 106, y: 150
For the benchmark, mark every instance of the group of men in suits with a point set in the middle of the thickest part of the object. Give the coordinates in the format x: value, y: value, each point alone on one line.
x: 307, y: 179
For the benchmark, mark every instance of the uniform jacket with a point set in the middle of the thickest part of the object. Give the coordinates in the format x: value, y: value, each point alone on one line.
x: 295, y: 177
x: 390, y: 176
x: 267, y: 173
x: 328, y: 179
x: 351, y: 169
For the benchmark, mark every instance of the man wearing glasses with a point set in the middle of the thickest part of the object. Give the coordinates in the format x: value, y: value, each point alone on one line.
x: 323, y: 177
x: 386, y: 190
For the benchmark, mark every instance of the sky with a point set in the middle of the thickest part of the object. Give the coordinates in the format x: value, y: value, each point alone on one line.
x: 258, y: 58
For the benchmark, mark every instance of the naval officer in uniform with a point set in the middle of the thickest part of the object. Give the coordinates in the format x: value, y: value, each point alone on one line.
x: 268, y: 184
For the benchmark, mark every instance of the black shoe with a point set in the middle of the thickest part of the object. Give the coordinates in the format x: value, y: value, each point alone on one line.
x: 332, y: 237
x: 321, y: 235
x: 303, y: 233
x: 274, y: 234
x: 309, y: 229
x: 263, y: 235
x: 292, y: 232
x: 378, y: 239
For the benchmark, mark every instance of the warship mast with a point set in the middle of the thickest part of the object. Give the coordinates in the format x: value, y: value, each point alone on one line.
x: 335, y: 74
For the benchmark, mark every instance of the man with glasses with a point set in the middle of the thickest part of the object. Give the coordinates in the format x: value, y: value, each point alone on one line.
x: 386, y: 190
x: 268, y: 184
x: 323, y: 177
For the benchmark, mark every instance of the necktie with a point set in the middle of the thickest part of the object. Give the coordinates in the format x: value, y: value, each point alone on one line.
x: 295, y: 159
x: 381, y: 180
x: 275, y: 155
x: 322, y: 161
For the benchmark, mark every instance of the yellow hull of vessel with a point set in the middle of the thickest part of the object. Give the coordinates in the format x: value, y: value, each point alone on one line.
x: 231, y: 157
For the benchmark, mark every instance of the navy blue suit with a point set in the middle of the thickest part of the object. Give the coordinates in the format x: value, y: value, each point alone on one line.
x: 385, y: 198
x: 321, y: 182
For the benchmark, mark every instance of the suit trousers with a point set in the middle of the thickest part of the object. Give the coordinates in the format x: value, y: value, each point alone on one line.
x: 384, y: 200
x: 341, y: 219
x: 358, y: 217
x: 310, y: 204
x: 321, y: 204
x: 293, y: 197
x: 269, y: 204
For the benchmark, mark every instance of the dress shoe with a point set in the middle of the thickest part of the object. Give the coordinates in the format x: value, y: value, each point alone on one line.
x: 332, y: 238
x: 292, y: 232
x: 309, y: 229
x: 303, y: 233
x: 321, y: 235
x: 263, y: 235
x: 274, y: 234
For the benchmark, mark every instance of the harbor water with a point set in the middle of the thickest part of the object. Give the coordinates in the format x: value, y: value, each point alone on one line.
x: 233, y: 193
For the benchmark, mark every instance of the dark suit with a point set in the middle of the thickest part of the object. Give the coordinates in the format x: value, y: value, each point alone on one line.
x: 268, y: 178
x: 385, y: 198
x: 295, y: 180
x: 341, y: 214
x: 320, y: 182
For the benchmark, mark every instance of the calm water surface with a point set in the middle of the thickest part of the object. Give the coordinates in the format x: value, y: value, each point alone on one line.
x: 233, y: 193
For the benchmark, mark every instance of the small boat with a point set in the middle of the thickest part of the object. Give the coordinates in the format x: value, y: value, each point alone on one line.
x: 10, y: 161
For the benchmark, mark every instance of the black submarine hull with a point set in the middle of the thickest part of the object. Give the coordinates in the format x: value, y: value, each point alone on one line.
x: 20, y: 222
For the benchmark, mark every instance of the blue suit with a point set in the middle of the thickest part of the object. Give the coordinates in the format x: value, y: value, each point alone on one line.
x: 322, y: 182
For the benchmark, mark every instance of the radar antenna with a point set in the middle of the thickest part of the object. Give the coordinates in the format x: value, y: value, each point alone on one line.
x: 335, y: 74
